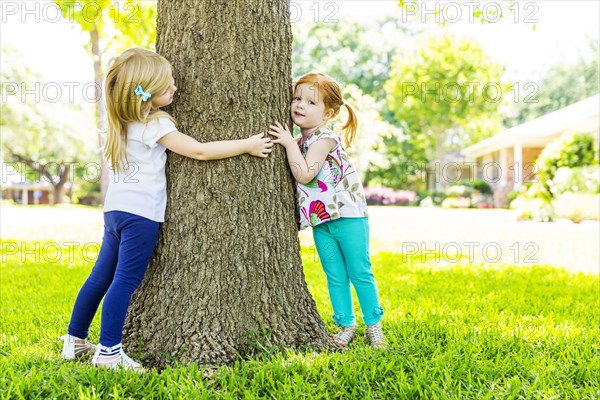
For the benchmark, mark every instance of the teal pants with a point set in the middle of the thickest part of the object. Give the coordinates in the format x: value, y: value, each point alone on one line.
x: 343, y: 247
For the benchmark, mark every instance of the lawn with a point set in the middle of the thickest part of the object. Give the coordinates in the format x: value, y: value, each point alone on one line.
x: 468, y: 330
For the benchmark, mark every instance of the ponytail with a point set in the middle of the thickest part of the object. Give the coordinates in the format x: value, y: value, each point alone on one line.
x: 350, y: 127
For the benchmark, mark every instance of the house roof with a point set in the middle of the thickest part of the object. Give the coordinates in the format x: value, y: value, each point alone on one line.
x: 583, y: 116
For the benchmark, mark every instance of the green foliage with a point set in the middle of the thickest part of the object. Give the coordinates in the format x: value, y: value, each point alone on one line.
x: 482, y: 186
x: 401, y: 163
x: 424, y: 12
x: 459, y: 331
x: 513, y: 195
x: 571, y: 150
x: 459, y: 191
x: 448, y: 90
x: 87, y: 190
x: 465, y: 194
x: 565, y: 83
x: 352, y: 52
x: 372, y: 130
x: 456, y: 202
x: 532, y: 207
x: 577, y: 206
x: 39, y: 132
x: 577, y: 180
x: 120, y: 25
x: 568, y: 177
x: 430, y: 199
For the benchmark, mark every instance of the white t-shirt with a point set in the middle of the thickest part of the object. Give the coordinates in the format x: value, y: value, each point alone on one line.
x: 141, y: 189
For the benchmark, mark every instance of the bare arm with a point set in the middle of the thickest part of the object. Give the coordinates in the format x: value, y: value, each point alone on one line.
x: 303, y: 168
x: 257, y: 145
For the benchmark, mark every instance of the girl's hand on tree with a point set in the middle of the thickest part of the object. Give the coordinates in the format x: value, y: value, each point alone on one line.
x: 259, y: 145
x: 283, y: 135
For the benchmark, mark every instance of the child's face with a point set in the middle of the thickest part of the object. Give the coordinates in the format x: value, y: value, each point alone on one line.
x: 308, y: 109
x: 166, y: 98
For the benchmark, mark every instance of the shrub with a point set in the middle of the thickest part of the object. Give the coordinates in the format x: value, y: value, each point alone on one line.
x: 482, y: 186
x: 577, y: 206
x: 569, y: 151
x: 432, y: 199
x: 87, y: 192
x: 383, y: 196
x: 480, y: 200
x: 535, y: 209
x: 427, y: 202
x: 478, y: 193
x: 459, y: 190
x: 577, y: 180
x: 457, y: 202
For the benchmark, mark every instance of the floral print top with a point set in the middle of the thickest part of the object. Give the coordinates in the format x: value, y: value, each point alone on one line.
x: 336, y: 191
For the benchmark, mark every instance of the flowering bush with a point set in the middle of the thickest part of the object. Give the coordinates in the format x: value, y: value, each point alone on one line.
x: 533, y: 209
x: 571, y: 150
x: 466, y: 194
x: 576, y: 180
x: 568, y: 182
x: 383, y: 196
x: 532, y: 205
x: 577, y: 206
x: 457, y: 202
x: 459, y: 191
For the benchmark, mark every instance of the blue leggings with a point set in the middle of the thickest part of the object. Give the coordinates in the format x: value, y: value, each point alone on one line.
x: 127, y: 246
x: 343, y: 247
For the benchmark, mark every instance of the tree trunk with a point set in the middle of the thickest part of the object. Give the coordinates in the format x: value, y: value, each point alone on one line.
x: 59, y: 193
x: 227, y: 270
x: 440, y: 151
x: 62, y: 176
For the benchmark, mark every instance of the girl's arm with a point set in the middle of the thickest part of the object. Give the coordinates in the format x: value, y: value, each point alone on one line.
x: 257, y: 145
x: 303, y: 169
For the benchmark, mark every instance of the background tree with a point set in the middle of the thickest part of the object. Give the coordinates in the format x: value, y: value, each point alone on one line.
x: 447, y: 91
x: 111, y: 27
x: 565, y: 83
x: 45, y: 140
x: 353, y: 52
x: 479, y: 10
x: 227, y: 266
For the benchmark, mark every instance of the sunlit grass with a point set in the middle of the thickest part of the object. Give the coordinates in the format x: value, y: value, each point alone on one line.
x: 457, y: 331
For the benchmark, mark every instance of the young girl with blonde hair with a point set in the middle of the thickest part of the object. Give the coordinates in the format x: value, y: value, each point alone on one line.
x: 139, y: 82
x: 331, y: 200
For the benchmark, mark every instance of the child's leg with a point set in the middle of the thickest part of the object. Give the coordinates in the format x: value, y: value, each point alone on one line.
x: 96, y: 285
x: 354, y: 241
x: 338, y: 283
x: 138, y: 239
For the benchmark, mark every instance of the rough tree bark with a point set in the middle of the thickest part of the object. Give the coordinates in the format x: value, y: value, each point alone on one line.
x: 227, y: 264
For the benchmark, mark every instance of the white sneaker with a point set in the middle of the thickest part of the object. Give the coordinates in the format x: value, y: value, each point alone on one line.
x: 374, y: 335
x: 345, y: 335
x: 114, y: 358
x: 75, y: 347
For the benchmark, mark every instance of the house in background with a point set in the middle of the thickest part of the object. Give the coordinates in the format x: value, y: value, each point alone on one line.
x: 16, y: 187
x: 507, y: 160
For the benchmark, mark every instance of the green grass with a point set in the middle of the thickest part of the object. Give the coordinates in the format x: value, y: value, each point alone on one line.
x: 461, y: 331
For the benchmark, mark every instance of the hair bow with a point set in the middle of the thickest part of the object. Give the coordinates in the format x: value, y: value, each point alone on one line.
x: 140, y: 92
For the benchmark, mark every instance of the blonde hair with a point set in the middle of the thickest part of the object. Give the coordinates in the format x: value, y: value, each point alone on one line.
x: 330, y: 93
x: 132, y: 68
